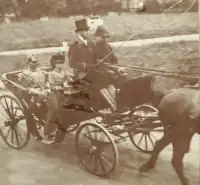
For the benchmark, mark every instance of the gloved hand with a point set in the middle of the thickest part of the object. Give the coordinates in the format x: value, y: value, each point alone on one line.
x: 87, y: 66
x: 58, y: 88
x: 33, y: 91
x: 122, y: 71
x: 38, y: 92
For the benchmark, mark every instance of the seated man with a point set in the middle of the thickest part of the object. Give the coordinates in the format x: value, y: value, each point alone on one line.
x: 35, y: 80
x: 33, y: 77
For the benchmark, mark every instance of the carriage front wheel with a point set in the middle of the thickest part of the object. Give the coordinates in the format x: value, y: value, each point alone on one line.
x: 148, y: 128
x: 96, y: 149
x: 13, y: 124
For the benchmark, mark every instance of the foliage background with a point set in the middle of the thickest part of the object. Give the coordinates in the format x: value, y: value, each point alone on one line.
x: 36, y: 8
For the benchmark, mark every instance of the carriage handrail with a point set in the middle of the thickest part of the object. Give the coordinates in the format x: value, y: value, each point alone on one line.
x: 5, y: 79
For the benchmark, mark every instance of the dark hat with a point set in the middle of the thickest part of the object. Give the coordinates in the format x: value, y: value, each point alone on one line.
x: 58, y: 58
x: 102, y: 32
x: 81, y: 25
x: 32, y: 58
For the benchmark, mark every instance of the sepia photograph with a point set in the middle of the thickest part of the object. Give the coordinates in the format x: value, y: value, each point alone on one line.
x: 103, y: 92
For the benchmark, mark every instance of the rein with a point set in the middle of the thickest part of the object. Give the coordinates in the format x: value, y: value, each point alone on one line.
x: 171, y: 74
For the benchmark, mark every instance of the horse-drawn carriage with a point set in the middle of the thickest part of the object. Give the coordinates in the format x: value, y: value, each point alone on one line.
x: 96, y: 130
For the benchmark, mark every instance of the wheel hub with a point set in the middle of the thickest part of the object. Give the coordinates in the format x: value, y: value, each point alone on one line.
x: 92, y: 150
x: 8, y: 123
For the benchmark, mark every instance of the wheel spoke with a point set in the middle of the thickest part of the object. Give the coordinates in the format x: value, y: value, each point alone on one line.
x: 153, y: 136
x: 101, y: 164
x: 8, y: 132
x: 11, y: 106
x: 146, y: 143
x: 16, y: 137
x: 8, y: 108
x: 104, y: 158
x: 12, y: 136
x: 151, y: 140
x: 15, y: 112
x: 96, y: 167
x: 139, y: 142
x: 18, y: 133
x: 5, y: 109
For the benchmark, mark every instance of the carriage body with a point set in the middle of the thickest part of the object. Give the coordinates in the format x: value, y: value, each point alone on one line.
x: 133, y: 92
x: 87, y: 103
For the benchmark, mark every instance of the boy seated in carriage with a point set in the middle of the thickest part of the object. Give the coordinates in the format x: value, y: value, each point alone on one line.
x: 57, y: 79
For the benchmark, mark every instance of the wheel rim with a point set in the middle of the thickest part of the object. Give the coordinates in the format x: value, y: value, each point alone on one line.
x: 145, y: 141
x: 96, y: 149
x: 13, y: 125
x: 143, y: 138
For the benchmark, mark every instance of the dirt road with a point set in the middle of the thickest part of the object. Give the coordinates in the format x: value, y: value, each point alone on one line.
x: 40, y: 164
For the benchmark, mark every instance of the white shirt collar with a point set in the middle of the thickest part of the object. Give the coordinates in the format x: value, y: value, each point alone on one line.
x: 82, y: 40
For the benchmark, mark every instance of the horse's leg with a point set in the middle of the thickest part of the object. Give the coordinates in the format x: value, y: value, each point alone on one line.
x: 180, y: 148
x: 159, y: 146
x: 177, y: 163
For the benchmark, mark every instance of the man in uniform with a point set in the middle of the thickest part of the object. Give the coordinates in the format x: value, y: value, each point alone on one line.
x: 33, y: 77
x: 35, y: 80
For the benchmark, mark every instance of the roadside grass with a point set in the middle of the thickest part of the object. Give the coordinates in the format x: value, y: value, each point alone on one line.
x: 33, y: 34
x: 182, y: 56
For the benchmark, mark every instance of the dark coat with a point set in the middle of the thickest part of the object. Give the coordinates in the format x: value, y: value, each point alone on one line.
x: 102, y: 49
x: 81, y: 53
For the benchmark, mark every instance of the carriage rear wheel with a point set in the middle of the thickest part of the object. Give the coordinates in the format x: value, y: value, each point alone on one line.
x: 13, y: 123
x: 148, y: 130
x: 96, y: 149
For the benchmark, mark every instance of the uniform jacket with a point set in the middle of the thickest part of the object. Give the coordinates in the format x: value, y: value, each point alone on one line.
x: 34, y: 79
x: 57, y: 78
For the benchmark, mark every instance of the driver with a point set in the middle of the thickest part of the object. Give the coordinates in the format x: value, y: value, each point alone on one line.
x: 104, y: 51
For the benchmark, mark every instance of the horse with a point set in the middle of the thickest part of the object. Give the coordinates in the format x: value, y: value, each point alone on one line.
x: 179, y: 112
